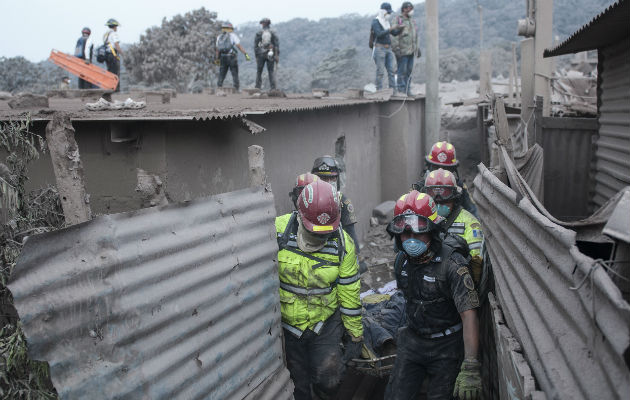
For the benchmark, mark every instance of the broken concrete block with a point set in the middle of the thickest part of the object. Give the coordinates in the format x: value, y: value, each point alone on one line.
x: 319, y: 93
x: 28, y: 100
x: 157, y: 97
x: 384, y: 212
x: 351, y: 93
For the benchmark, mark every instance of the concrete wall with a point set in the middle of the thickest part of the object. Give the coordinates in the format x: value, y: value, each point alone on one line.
x: 193, y: 159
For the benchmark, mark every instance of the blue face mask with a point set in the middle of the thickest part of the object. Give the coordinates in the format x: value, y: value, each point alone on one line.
x: 443, y: 210
x: 414, y: 247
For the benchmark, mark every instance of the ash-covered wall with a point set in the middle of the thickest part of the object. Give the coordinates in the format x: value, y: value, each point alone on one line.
x: 182, y: 160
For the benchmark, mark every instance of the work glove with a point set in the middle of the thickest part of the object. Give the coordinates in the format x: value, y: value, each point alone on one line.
x: 468, y: 382
x: 247, y: 57
x: 217, y: 62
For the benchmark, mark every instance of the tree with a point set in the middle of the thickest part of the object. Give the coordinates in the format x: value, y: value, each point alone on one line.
x: 180, y: 52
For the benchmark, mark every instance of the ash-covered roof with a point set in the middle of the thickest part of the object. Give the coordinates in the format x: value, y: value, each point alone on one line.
x: 610, y: 26
x: 186, y: 107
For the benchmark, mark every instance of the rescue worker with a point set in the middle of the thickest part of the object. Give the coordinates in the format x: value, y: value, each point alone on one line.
x: 319, y: 290
x: 442, y: 327
x: 267, y: 50
x: 382, y: 52
x: 226, y: 56
x: 326, y: 168
x: 112, y: 42
x: 405, y: 47
x: 84, y: 50
x: 443, y: 155
x: 441, y: 185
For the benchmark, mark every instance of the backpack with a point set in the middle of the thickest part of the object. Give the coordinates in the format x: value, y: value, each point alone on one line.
x: 225, y: 43
x: 371, y: 42
x: 102, y: 50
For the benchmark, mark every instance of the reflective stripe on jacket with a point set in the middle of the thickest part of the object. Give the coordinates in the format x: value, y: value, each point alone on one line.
x: 314, y: 285
x: 469, y: 228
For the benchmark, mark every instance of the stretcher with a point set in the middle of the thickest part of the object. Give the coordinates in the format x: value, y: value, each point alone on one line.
x: 88, y: 72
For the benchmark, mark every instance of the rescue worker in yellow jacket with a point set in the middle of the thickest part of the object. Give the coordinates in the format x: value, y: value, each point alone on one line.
x: 442, y: 186
x: 319, y: 290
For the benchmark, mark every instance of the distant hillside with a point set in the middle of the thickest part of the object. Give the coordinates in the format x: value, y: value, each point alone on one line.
x: 310, y: 49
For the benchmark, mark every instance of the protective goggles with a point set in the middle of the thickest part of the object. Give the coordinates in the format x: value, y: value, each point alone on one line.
x: 295, y: 193
x: 413, y: 222
x: 440, y: 193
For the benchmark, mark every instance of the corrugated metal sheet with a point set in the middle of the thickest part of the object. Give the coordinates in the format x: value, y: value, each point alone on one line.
x: 196, y: 107
x: 607, y: 27
x: 568, y: 147
x: 574, y: 340
x: 175, y: 302
x: 613, y: 145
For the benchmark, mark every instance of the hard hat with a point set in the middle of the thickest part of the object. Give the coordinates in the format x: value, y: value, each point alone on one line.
x: 325, y: 166
x: 266, y: 21
x: 318, y: 207
x: 442, y: 154
x: 112, y: 22
x: 86, y: 30
x: 415, y: 212
x: 227, y: 25
x: 441, y: 185
x: 301, y: 181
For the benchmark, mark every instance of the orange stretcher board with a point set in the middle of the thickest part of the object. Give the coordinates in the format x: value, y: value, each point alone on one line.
x: 88, y: 72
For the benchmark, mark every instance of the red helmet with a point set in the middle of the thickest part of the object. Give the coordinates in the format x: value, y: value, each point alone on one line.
x: 86, y: 30
x: 318, y: 206
x: 441, y: 185
x: 414, y: 211
x: 443, y: 154
x: 301, y: 181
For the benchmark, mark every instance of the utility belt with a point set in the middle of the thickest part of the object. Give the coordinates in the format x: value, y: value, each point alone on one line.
x: 382, y: 45
x: 443, y: 333
x: 297, y: 332
x: 227, y: 52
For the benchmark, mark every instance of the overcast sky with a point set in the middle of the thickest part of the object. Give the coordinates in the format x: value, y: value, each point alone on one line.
x: 31, y: 28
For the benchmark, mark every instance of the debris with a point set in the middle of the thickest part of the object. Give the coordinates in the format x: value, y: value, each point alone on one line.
x: 319, y: 93
x: 384, y: 211
x: 160, y: 97
x: 5, y: 96
x: 103, y: 104
x: 28, y: 100
x: 150, y: 188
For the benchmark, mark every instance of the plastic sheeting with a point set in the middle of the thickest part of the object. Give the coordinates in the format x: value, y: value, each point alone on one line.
x: 173, y: 302
x: 571, y: 319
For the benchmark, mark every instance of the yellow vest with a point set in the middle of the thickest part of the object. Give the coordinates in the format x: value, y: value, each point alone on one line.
x: 314, y: 285
x: 469, y: 228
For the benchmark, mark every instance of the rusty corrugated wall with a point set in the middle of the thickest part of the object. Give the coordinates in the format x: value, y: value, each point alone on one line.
x: 569, y: 159
x: 175, y: 302
x: 574, y: 340
x: 613, y: 145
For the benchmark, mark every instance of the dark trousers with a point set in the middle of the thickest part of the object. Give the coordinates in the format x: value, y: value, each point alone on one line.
x: 113, y: 66
x: 440, y: 359
x: 261, y: 59
x: 228, y: 61
x: 405, y: 66
x: 316, y: 360
x: 83, y: 84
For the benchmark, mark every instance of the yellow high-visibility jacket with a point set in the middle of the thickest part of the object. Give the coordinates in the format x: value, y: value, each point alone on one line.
x: 314, y: 285
x: 469, y: 228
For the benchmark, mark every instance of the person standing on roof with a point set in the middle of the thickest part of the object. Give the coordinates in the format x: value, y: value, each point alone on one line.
x: 84, y: 50
x: 226, y: 56
x: 114, y: 53
x: 442, y: 327
x: 267, y: 50
x: 382, y: 52
x: 319, y: 291
x: 327, y: 169
x: 443, y: 156
x: 441, y: 185
x: 405, y: 47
